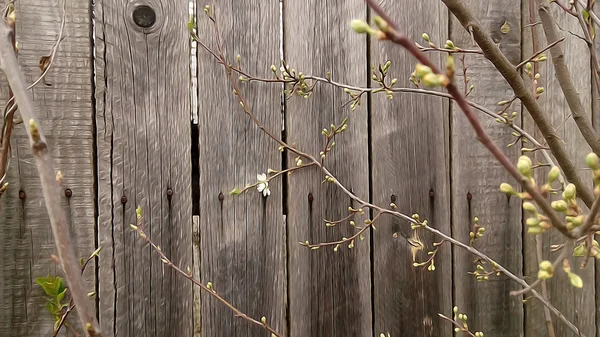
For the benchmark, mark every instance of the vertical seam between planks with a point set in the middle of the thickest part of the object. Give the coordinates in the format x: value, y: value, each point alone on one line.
x: 285, y: 184
x: 370, y: 173
x: 523, y: 234
x: 451, y: 180
x: 91, y: 28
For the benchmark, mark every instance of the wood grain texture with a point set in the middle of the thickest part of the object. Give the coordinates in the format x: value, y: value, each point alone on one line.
x: 66, y: 113
x: 476, y: 177
x: 578, y: 305
x: 410, y: 163
x: 241, y: 238
x: 143, y: 136
x: 596, y: 123
x: 330, y: 292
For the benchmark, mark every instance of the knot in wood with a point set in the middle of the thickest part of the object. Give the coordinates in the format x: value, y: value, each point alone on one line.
x: 144, y: 16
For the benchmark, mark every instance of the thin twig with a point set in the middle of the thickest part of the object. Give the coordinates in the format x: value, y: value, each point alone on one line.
x: 50, y: 187
x: 539, y: 53
x: 206, y: 288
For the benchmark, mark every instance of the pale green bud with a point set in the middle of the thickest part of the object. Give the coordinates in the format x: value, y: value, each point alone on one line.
x: 570, y: 192
x: 592, y: 161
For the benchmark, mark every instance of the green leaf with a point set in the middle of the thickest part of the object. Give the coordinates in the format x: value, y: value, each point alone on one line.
x: 59, y: 285
x: 61, y: 295
x: 192, y: 23
x: 576, y: 281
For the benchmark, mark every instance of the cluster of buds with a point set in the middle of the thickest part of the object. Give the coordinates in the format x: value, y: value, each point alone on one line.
x: 481, y: 274
x: 379, y: 75
x: 535, y: 77
x: 538, y: 223
x: 568, y: 206
x: 460, y: 323
x: 329, y: 134
x: 507, y: 118
x: 477, y: 231
x: 425, y: 75
x: 418, y: 223
x: 546, y: 270
x: 582, y: 249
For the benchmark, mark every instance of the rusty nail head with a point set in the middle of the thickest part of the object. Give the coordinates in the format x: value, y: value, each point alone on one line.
x: 68, y: 193
x: 310, y: 197
x: 431, y: 193
x: 169, y: 192
x: 123, y: 199
x: 393, y: 198
x: 469, y: 196
x: 22, y: 195
x: 221, y: 196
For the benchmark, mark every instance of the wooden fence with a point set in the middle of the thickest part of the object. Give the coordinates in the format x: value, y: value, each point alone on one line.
x: 119, y: 118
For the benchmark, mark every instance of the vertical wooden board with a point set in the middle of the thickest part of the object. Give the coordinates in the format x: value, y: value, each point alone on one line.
x: 66, y: 112
x: 578, y: 305
x: 476, y: 177
x: 143, y: 114
x: 410, y: 166
x: 329, y: 292
x: 596, y: 122
x: 241, y: 238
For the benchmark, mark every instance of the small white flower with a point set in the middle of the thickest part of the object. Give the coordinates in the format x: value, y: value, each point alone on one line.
x: 263, y: 184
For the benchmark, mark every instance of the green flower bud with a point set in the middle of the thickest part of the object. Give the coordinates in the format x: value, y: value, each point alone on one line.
x: 535, y: 230
x: 433, y: 80
x: 381, y: 23
x: 559, y: 206
x: 592, y: 161
x: 529, y: 207
x: 421, y: 70
x: 525, y: 166
x: 553, y: 174
x: 506, y: 188
x: 570, y: 192
x: 547, y: 266
x: 425, y: 37
x: 449, y: 45
x: 532, y: 222
x: 544, y: 275
x: 580, y: 250
x: 361, y: 27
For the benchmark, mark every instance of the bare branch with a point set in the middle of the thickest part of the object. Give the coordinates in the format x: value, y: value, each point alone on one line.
x: 50, y: 187
x: 511, y: 75
x: 565, y: 80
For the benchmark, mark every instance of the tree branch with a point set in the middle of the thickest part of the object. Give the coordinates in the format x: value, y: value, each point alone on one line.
x: 50, y: 187
x: 565, y: 80
x: 492, y: 52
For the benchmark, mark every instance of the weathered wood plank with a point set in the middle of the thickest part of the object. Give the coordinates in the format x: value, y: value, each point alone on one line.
x: 67, y: 114
x: 476, y: 176
x: 410, y: 166
x: 578, y: 305
x: 143, y: 114
x: 241, y: 238
x: 330, y: 292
